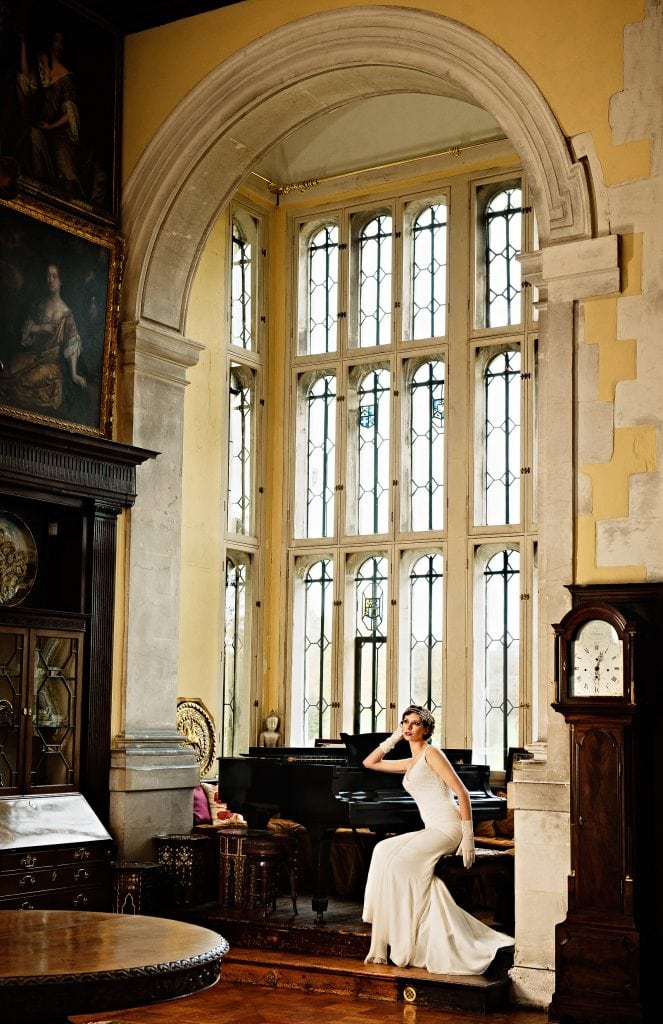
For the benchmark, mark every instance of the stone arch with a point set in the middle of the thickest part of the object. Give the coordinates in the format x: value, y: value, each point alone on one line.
x: 285, y: 79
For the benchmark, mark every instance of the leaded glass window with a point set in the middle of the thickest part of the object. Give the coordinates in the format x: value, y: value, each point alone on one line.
x: 240, y: 450
x: 318, y: 650
x: 323, y: 290
x: 501, y: 380
x: 426, y: 585
x: 375, y: 282
x: 241, y: 287
x: 427, y: 447
x: 503, y: 241
x: 320, y: 456
x: 234, y: 667
x: 429, y: 272
x: 407, y: 459
x: 373, y: 452
x: 370, y: 669
x: 500, y: 633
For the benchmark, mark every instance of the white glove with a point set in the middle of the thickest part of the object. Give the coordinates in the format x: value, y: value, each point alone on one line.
x: 467, y: 844
x: 391, y: 741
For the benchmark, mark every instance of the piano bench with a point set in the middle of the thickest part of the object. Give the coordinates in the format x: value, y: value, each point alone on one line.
x: 487, y: 886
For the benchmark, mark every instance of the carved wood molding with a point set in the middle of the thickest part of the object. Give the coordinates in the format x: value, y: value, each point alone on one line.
x: 45, y: 458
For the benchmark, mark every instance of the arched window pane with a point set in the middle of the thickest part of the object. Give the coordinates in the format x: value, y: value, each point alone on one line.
x: 427, y: 447
x: 373, y: 453
x: 241, y: 286
x: 323, y: 290
x: 240, y: 451
x: 502, y: 439
x: 371, y: 645
x: 503, y: 233
x: 234, y: 731
x: 375, y: 243
x: 429, y: 272
x: 426, y: 640
x: 501, y: 635
x: 320, y: 457
x: 318, y: 595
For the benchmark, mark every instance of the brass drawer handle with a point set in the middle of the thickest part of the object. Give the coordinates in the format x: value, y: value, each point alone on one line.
x: 80, y: 900
x: 27, y: 880
x: 28, y: 861
x: 81, y: 854
x: 81, y: 875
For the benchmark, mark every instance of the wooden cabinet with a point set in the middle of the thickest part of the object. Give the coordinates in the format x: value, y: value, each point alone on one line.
x: 54, y: 854
x: 41, y: 672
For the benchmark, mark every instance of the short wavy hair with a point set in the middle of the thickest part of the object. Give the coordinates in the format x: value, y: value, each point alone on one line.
x: 424, y: 714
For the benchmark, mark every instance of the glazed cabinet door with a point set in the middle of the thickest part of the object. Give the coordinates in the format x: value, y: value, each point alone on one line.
x: 13, y: 673
x: 41, y: 673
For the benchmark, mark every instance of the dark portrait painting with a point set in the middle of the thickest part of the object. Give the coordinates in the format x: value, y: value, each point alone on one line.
x: 60, y: 105
x: 59, y: 282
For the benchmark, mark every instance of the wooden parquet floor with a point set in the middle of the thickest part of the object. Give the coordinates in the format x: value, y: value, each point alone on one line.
x: 231, y: 1003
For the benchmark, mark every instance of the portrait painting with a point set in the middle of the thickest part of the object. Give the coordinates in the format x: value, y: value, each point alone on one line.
x: 59, y: 294
x: 60, y: 74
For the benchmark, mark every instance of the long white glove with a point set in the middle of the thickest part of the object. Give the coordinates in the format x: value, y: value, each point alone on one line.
x: 467, y: 844
x: 391, y: 741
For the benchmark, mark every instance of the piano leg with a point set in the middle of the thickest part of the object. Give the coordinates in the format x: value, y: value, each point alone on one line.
x: 321, y: 839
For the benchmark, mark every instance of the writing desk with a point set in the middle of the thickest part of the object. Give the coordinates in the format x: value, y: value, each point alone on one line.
x: 56, y: 963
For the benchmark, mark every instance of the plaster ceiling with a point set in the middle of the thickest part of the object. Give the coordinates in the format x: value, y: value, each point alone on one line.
x: 375, y: 131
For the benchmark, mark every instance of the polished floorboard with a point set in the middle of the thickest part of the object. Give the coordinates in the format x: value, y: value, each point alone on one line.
x: 250, y: 1004
x: 245, y: 1002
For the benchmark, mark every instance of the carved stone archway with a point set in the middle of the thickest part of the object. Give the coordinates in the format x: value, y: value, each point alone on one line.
x: 187, y: 175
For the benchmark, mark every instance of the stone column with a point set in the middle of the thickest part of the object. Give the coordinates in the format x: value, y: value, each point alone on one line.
x: 152, y: 773
x: 539, y: 793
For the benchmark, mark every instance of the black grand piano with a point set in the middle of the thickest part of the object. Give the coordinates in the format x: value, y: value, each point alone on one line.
x: 323, y: 788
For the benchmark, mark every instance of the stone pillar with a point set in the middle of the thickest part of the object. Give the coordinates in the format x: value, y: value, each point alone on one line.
x: 539, y: 792
x: 152, y: 772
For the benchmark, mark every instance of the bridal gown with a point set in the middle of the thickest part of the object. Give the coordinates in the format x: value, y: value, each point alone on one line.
x: 415, y: 922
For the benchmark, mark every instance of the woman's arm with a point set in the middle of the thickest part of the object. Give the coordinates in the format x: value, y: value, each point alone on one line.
x: 440, y: 764
x: 375, y: 759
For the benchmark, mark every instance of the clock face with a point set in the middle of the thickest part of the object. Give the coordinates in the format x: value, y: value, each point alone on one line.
x: 597, y: 663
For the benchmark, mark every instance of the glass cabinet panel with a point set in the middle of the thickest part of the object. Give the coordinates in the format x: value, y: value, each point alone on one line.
x: 40, y: 695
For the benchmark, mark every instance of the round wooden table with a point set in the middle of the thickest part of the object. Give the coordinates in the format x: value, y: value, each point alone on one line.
x: 56, y: 963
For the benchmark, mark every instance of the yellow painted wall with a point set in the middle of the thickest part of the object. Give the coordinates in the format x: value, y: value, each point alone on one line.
x: 573, y: 51
x: 634, y: 448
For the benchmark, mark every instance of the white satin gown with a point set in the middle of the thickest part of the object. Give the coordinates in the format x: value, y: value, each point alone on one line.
x: 415, y: 922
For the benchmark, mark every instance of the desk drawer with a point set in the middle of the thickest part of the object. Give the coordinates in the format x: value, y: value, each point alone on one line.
x: 57, y: 877
x: 94, y: 897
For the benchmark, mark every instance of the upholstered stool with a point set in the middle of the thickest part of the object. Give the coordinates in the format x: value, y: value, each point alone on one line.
x: 265, y: 853
x: 249, y: 865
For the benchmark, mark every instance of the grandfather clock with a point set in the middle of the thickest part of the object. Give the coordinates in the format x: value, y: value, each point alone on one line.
x: 609, y: 689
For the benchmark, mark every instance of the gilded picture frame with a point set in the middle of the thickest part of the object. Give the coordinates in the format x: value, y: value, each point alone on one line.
x: 60, y: 106
x: 59, y: 308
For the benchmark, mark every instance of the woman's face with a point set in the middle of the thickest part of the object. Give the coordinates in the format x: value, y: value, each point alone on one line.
x: 53, y: 278
x: 413, y: 727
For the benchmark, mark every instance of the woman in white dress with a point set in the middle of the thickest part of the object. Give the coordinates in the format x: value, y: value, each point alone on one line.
x: 415, y: 922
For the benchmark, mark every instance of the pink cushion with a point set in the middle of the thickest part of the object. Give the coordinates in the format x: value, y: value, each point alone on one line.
x: 201, y: 814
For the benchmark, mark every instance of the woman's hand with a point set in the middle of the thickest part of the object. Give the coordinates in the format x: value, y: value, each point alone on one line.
x: 392, y: 740
x: 467, y: 844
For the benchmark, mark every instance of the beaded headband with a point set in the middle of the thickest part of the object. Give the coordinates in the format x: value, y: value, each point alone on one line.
x: 424, y: 715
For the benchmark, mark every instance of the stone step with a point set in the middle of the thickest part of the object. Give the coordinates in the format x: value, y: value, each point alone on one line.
x: 341, y: 975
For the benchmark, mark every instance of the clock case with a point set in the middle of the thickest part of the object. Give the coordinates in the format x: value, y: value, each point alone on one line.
x: 607, y: 947
x: 566, y: 633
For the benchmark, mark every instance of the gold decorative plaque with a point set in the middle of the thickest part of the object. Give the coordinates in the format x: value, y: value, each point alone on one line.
x: 197, y: 727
